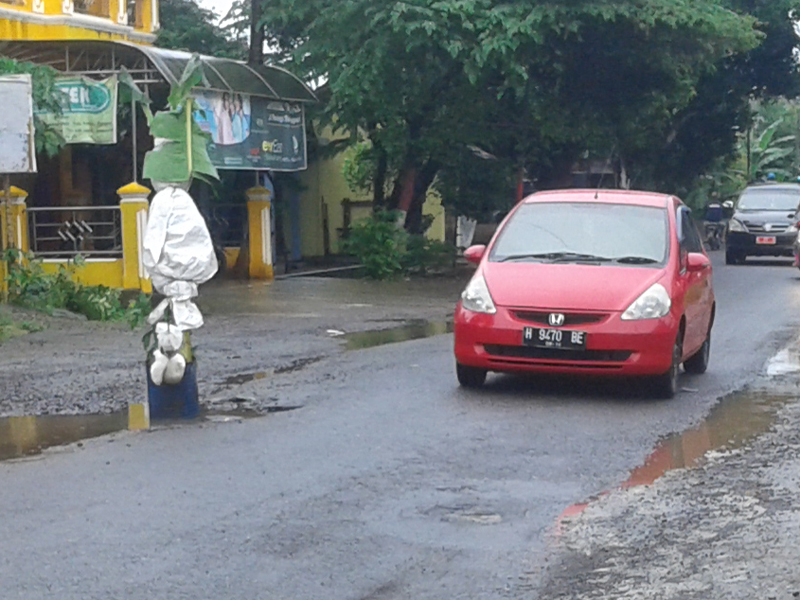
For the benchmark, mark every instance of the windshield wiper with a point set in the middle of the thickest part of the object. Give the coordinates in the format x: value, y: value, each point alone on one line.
x: 557, y: 257
x: 636, y: 260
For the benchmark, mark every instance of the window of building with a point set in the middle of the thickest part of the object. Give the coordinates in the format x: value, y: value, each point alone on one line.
x: 96, y: 8
x: 135, y: 8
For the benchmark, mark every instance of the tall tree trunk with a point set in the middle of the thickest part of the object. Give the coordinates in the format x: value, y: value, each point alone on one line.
x: 379, y: 181
x: 422, y: 183
x: 256, y: 54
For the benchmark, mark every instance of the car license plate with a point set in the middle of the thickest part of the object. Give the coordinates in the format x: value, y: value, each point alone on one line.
x: 766, y: 240
x: 554, y: 338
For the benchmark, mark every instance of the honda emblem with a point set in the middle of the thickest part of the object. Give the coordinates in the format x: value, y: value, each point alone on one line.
x: 556, y: 319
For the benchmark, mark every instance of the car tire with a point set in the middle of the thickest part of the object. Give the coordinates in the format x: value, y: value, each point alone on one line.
x: 734, y: 258
x: 470, y: 377
x: 697, y: 363
x: 665, y: 386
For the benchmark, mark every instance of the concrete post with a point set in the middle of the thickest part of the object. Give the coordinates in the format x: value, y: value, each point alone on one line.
x: 260, y: 229
x: 133, y: 206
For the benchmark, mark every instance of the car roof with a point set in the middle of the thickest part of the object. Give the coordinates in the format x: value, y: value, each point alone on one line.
x: 772, y: 186
x: 602, y: 196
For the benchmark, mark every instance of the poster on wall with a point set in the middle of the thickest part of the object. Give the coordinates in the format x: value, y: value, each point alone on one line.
x: 88, y: 111
x: 17, y: 154
x: 252, y: 133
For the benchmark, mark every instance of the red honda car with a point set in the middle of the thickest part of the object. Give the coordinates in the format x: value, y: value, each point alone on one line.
x: 589, y: 282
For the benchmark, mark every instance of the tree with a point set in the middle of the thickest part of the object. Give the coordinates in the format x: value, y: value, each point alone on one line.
x: 534, y: 85
x: 45, y: 97
x: 187, y: 26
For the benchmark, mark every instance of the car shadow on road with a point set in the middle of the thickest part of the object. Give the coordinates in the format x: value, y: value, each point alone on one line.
x: 762, y: 262
x: 558, y: 387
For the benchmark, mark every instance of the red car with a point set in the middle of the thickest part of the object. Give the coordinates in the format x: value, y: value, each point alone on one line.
x: 587, y: 282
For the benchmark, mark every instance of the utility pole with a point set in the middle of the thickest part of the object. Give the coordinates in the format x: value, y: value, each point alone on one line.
x: 256, y: 54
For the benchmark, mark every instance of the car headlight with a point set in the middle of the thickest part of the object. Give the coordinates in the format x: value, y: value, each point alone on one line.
x: 477, y: 297
x: 736, y: 225
x: 792, y: 228
x: 653, y: 304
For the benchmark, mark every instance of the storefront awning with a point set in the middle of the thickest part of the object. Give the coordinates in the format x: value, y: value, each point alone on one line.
x: 150, y: 65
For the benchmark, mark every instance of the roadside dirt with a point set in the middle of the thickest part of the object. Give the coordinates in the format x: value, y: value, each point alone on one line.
x: 252, y: 330
x: 725, y: 529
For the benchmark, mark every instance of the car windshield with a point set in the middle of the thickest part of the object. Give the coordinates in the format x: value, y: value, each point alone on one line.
x: 766, y: 199
x: 597, y: 233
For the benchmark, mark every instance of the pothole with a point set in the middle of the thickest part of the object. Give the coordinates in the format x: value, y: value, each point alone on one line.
x: 734, y: 422
x: 29, y: 436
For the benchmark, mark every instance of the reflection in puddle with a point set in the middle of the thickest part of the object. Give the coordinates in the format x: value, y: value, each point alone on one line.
x: 785, y: 362
x: 732, y: 423
x: 245, y: 378
x: 412, y: 331
x: 26, y: 436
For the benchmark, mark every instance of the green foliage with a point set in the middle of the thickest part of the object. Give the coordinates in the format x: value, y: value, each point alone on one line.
x: 424, y: 256
x: 359, y: 167
x: 182, y: 153
x: 187, y: 26
x: 31, y: 287
x: 379, y: 244
x: 387, y: 251
x: 45, y: 97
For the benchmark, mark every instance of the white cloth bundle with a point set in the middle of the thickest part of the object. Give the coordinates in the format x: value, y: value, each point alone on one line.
x: 178, y: 255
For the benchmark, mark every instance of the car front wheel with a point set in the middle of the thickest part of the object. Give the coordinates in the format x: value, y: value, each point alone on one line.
x: 697, y: 363
x: 470, y: 377
x: 734, y: 258
x: 666, y: 385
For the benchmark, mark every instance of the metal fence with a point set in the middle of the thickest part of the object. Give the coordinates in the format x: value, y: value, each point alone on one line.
x: 66, y: 231
x: 227, y: 224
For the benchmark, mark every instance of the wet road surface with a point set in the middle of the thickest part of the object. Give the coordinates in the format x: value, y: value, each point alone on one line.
x: 389, y: 482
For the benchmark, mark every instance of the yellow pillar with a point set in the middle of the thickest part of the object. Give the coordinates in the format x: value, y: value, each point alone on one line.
x: 260, y: 228
x: 15, y: 211
x: 133, y: 207
x: 18, y: 213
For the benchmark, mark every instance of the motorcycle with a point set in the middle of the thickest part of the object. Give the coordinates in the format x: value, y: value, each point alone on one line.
x: 713, y: 234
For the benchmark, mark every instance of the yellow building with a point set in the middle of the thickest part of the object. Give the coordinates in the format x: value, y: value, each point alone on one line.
x: 78, y: 190
x: 50, y: 20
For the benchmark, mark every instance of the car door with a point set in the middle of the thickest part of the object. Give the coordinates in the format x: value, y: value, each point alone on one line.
x: 696, y: 286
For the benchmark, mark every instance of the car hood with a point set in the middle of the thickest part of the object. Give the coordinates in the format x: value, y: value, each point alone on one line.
x: 760, y: 217
x: 567, y: 286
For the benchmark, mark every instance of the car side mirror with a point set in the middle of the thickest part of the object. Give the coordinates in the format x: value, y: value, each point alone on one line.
x: 696, y: 262
x: 474, y: 254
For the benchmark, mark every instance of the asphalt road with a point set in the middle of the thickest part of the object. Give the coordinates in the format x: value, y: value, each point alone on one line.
x: 389, y: 482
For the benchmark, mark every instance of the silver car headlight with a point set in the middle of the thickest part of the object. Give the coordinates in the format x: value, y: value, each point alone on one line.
x: 653, y: 304
x: 476, y: 296
x: 736, y: 225
x: 792, y: 228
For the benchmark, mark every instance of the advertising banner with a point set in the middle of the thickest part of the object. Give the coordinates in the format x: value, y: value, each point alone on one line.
x: 88, y: 111
x: 252, y: 133
x: 17, y: 150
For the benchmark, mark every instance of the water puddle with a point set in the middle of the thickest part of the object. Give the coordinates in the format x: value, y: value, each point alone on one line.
x: 785, y: 362
x: 731, y: 424
x: 243, y: 378
x: 27, y: 436
x: 413, y: 330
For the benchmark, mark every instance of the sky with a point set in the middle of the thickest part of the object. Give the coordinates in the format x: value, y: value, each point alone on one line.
x: 220, y: 7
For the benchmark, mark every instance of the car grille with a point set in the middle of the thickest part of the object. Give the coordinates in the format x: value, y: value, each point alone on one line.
x: 533, y: 353
x: 570, y: 319
x: 773, y: 228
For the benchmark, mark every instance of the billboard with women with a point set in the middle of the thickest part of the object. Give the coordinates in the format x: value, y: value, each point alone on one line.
x: 249, y: 132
